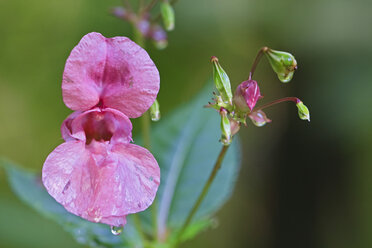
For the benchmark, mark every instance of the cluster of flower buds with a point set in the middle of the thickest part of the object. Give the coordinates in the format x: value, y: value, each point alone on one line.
x: 234, y: 109
x: 147, y: 26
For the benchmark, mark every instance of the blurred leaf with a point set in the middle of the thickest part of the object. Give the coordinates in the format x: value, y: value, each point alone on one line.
x: 186, y: 147
x: 196, y: 228
x: 29, y: 188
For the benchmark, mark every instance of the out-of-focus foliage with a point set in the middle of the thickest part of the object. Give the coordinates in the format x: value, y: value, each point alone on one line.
x: 300, y: 184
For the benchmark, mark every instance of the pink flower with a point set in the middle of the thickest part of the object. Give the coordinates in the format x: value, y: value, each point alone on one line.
x: 246, y: 95
x: 97, y: 173
x: 110, y: 72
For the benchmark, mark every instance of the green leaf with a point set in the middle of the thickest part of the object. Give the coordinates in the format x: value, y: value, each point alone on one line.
x: 29, y: 188
x: 186, y: 146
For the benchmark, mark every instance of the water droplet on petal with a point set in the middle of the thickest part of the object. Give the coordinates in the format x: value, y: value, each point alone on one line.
x: 116, y: 230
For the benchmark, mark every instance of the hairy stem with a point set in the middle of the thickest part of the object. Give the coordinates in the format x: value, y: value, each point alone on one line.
x: 256, y: 61
x: 204, y: 192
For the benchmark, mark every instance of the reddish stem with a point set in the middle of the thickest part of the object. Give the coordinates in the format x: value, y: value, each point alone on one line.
x: 255, y: 63
x: 285, y: 99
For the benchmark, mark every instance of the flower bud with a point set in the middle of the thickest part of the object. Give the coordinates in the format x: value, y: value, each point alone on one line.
x: 159, y: 36
x: 221, y: 80
x: 119, y: 12
x: 303, y: 111
x: 234, y: 127
x: 155, y: 111
x: 225, y: 128
x: 167, y: 13
x: 247, y: 95
x: 284, y: 64
x: 259, y: 118
x: 143, y: 26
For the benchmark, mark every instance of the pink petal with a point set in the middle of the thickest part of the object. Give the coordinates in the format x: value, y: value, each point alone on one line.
x: 129, y: 181
x: 251, y: 93
x: 101, y: 182
x: 66, y: 126
x: 84, y: 72
x: 114, y: 220
x: 66, y: 180
x: 114, y: 72
x: 79, y: 125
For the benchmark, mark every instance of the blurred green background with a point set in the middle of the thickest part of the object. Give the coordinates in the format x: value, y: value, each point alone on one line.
x: 301, y: 184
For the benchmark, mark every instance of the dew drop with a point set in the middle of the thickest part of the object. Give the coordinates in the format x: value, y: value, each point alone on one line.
x: 116, y: 230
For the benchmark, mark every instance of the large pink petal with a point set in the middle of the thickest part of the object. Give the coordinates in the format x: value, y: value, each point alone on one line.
x: 82, y: 77
x: 131, y: 78
x: 128, y: 181
x: 114, y: 72
x: 66, y: 179
x: 101, y: 182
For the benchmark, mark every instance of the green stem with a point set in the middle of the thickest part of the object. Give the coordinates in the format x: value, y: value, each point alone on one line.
x: 146, y: 126
x: 146, y: 130
x: 255, y: 63
x: 145, y: 119
x: 204, y: 192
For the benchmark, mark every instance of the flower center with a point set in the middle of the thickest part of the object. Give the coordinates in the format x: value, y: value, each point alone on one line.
x: 97, y: 127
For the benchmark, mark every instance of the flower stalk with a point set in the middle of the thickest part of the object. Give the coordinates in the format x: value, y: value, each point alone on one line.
x: 260, y: 53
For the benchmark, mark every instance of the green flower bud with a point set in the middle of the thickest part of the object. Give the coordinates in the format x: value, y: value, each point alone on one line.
x: 167, y: 13
x: 284, y: 64
x: 225, y: 128
x: 303, y: 111
x: 221, y: 81
x: 155, y: 111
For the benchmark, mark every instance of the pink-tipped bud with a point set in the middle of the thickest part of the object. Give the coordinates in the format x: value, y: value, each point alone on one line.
x: 247, y: 95
x: 259, y: 118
